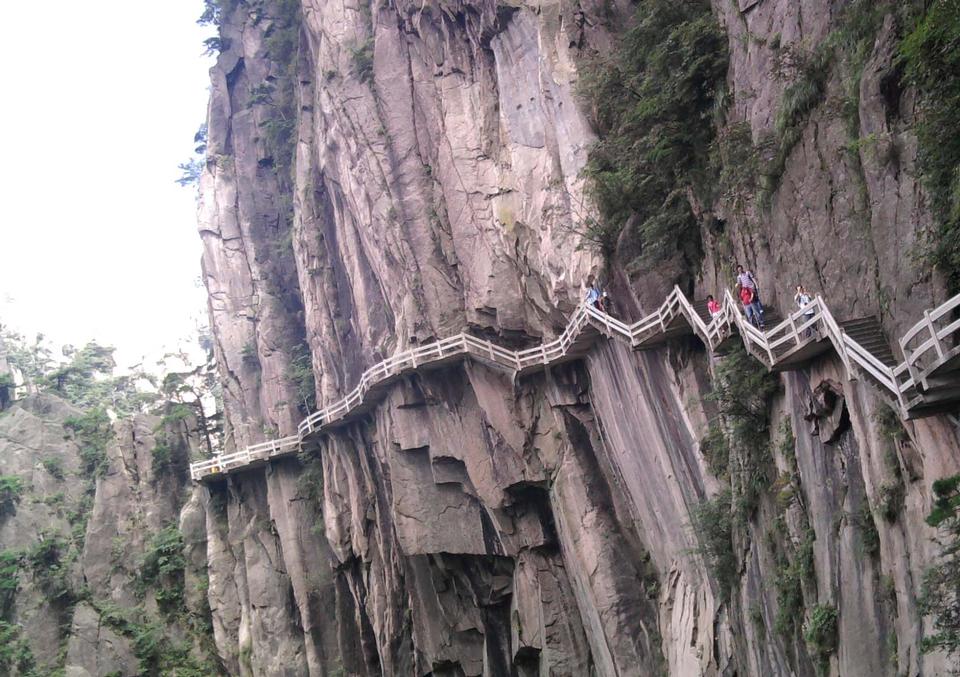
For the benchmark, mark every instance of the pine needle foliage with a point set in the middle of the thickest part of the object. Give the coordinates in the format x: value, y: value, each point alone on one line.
x: 712, y: 524
x: 11, y: 487
x: 652, y: 102
x: 931, y: 54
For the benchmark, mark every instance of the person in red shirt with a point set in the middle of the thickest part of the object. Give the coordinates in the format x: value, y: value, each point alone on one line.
x: 751, y: 306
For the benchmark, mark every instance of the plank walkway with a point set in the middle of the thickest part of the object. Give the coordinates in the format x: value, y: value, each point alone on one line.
x: 925, y: 383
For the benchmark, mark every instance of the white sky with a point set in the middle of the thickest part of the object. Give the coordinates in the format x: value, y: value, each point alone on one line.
x: 100, y: 103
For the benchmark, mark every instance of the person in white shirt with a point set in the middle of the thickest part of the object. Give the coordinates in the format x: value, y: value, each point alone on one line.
x: 802, y: 299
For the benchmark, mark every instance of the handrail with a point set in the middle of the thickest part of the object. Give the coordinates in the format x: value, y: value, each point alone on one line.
x: 916, y: 357
x: 786, y: 336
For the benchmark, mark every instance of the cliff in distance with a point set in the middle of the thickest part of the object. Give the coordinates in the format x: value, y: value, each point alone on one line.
x: 379, y: 176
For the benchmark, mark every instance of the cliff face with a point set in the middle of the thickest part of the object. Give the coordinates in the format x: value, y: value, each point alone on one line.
x: 96, y: 578
x: 474, y: 525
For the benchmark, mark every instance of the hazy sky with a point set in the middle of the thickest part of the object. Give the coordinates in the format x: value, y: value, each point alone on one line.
x: 101, y: 101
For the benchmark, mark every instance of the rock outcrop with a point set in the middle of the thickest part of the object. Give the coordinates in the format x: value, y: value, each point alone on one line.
x: 83, y: 589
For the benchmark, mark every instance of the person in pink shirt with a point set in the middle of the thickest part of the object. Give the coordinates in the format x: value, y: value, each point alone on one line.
x: 713, y: 306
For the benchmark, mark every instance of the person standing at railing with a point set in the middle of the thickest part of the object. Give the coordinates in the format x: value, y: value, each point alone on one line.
x: 746, y: 280
x: 593, y: 293
x: 713, y: 306
x: 802, y: 299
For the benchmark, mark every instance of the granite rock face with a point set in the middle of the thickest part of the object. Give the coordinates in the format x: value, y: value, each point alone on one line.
x: 79, y: 538
x: 477, y: 524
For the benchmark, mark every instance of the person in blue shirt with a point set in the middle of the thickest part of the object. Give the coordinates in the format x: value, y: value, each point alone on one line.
x: 593, y: 293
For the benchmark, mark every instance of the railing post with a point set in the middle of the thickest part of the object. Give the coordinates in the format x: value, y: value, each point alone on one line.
x: 793, y: 329
x: 933, y: 334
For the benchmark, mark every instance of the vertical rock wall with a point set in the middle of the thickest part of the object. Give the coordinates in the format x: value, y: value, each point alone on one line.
x: 476, y: 525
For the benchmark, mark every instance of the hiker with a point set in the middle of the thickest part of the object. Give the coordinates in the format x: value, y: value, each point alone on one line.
x: 746, y: 280
x: 593, y: 293
x: 606, y: 304
x: 751, y: 306
x: 802, y: 299
x: 713, y: 306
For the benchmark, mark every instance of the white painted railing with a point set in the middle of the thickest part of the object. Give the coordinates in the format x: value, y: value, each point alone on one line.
x: 258, y: 452
x: 933, y: 340
x: 934, y: 335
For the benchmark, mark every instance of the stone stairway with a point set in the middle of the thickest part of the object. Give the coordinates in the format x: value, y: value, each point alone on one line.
x: 868, y: 333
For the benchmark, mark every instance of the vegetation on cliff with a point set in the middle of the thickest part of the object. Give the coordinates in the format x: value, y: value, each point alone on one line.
x: 652, y: 101
x: 931, y: 54
x: 940, y: 596
x: 737, y: 451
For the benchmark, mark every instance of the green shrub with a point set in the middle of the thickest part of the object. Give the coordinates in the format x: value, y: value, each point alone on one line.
x: 869, y: 535
x: 93, y: 431
x: 931, y: 54
x: 821, y: 632
x: 248, y: 354
x: 849, y: 44
x: 890, y: 498
x: 177, y: 413
x: 282, y: 44
x: 9, y: 579
x: 793, y: 570
x: 48, y: 561
x: 712, y: 523
x: 11, y: 488
x: 300, y: 373
x: 735, y: 161
x: 163, y: 568
x: 161, y: 457
x: 939, y: 596
x: 15, y: 652
x: 214, y: 10
x: 7, y: 387
x: 361, y: 57
x: 652, y: 103
x: 161, y: 655
x: 54, y: 466
x: 742, y: 389
x: 716, y: 450
x: 802, y: 96
x: 889, y: 423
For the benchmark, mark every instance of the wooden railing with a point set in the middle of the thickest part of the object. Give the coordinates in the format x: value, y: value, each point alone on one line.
x: 934, y: 335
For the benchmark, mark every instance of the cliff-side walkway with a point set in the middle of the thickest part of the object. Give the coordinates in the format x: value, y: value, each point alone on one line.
x: 926, y: 382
